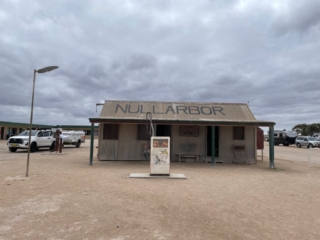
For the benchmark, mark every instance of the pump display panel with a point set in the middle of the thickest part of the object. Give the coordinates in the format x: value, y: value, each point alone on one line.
x: 160, y: 156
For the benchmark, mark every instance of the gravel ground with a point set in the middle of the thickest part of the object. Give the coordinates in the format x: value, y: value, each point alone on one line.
x: 65, y: 198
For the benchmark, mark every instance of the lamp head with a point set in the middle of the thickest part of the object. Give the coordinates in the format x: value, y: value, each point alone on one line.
x: 47, y: 69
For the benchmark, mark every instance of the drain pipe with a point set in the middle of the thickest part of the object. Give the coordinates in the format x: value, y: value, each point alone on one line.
x: 98, y: 104
x: 149, y: 116
x: 92, y: 136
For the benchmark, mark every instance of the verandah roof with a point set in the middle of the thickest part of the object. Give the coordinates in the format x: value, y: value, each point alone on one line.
x: 179, y: 113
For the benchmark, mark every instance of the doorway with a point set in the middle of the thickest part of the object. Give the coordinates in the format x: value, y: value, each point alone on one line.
x: 209, y: 141
x: 14, y: 131
x: 163, y: 131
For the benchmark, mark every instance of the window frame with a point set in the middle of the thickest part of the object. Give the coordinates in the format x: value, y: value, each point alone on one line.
x: 237, y: 135
x: 110, y: 135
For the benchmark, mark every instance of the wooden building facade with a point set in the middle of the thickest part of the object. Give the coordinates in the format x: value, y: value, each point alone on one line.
x: 203, y: 132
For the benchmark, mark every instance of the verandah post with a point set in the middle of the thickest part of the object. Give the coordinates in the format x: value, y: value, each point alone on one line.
x: 91, y: 143
x: 213, y: 145
x: 271, y: 147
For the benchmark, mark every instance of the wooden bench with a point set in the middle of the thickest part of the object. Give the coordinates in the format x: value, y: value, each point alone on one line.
x: 189, y: 155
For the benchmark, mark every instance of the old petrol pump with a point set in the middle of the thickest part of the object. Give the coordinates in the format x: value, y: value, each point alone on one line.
x: 159, y: 153
x: 160, y: 156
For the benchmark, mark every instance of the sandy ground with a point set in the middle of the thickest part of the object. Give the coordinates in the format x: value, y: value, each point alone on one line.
x: 65, y: 198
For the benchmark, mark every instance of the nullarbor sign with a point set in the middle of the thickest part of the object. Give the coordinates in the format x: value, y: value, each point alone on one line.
x: 170, y: 109
x: 176, y: 111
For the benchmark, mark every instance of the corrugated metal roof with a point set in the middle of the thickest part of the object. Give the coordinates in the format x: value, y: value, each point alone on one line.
x: 134, y: 111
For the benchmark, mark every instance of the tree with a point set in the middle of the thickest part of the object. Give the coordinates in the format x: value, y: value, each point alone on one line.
x: 312, y: 128
x: 300, y: 128
x: 306, y: 129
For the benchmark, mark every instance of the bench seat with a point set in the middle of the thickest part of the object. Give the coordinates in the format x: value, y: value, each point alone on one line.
x: 189, y: 155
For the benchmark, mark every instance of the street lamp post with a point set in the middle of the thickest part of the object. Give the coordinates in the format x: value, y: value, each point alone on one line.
x: 42, y: 70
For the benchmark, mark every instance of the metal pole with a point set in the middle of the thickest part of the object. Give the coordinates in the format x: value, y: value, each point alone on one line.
x: 213, y: 145
x: 91, y: 143
x: 31, y: 115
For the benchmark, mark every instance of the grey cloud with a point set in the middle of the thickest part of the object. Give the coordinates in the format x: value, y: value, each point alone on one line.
x: 139, y: 62
x: 211, y: 51
x: 300, y: 17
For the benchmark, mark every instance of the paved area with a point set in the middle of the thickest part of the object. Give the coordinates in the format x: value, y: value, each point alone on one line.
x: 65, y: 198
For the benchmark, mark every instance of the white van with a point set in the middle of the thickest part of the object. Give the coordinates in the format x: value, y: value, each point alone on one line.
x: 316, y: 135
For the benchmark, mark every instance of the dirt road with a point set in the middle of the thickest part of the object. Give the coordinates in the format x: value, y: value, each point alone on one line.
x: 293, y: 153
x: 65, y: 198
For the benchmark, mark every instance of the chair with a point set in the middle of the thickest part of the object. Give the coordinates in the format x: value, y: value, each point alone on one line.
x: 239, y: 154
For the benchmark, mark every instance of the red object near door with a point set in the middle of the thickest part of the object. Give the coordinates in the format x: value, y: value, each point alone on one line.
x: 260, y: 139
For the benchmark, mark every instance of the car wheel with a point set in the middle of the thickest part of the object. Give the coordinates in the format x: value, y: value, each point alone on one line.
x: 310, y: 146
x: 78, y: 144
x: 12, y: 149
x: 298, y: 145
x: 33, y: 147
x: 53, y: 146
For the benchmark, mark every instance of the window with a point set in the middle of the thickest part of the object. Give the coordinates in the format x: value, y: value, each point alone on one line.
x: 189, y: 131
x: 110, y: 131
x: 142, y: 132
x: 46, y: 134
x: 238, y: 133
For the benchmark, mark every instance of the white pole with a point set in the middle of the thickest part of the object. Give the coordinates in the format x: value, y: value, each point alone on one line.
x: 309, y: 160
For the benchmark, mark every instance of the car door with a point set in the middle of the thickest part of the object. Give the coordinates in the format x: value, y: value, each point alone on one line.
x: 40, y: 139
x: 305, y: 142
x: 47, y: 138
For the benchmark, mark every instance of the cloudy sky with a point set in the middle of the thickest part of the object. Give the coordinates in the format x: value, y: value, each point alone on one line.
x: 264, y: 52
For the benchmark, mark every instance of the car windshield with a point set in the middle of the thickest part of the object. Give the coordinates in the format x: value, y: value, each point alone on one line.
x: 312, y: 139
x: 26, y: 133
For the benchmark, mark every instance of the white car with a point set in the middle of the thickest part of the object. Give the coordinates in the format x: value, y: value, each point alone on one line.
x: 39, y: 139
